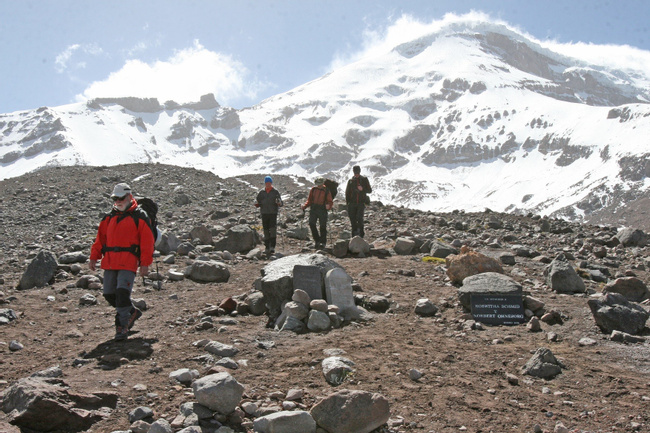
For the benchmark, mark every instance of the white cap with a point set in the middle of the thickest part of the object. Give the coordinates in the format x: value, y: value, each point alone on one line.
x: 120, y: 190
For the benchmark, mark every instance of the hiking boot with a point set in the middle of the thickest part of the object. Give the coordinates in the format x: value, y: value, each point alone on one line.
x: 135, y: 315
x: 121, y: 333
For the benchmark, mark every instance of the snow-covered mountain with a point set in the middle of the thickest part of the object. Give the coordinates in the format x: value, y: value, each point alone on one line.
x: 469, y: 117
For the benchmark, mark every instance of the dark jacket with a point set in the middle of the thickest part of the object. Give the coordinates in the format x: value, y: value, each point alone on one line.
x: 268, y: 202
x: 120, y: 230
x: 352, y: 193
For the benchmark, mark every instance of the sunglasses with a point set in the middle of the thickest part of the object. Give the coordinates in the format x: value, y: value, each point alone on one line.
x: 119, y: 198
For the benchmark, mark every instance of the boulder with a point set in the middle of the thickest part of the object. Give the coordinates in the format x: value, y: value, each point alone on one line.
x: 630, y: 237
x: 238, y: 239
x: 297, y: 421
x: 351, y: 411
x: 7, y: 315
x: 256, y: 303
x: 632, y: 288
x: 168, y: 243
x: 203, y: 233
x: 358, y: 245
x: 47, y: 404
x: 277, y: 278
x: 74, y: 257
x: 219, y: 392
x: 441, y: 250
x: 336, y: 369
x: 404, y: 246
x: 425, y: 308
x: 488, y: 283
x: 208, y: 272
x: 542, y: 364
x: 39, y: 271
x: 613, y: 312
x: 562, y: 278
x: 469, y: 263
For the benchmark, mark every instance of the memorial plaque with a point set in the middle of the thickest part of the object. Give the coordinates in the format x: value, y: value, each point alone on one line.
x: 309, y: 279
x: 338, y: 290
x: 495, y: 309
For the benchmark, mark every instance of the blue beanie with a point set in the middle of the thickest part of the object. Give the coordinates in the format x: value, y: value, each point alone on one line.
x: 268, y: 179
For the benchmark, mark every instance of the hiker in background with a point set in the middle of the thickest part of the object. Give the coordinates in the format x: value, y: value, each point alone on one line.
x: 269, y: 200
x: 319, y: 202
x: 356, y: 198
x: 124, y: 243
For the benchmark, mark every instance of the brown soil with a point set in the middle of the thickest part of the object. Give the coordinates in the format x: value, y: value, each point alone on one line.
x: 604, y: 388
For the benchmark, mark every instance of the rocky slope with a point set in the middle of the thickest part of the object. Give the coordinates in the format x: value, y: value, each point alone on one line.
x: 471, y: 376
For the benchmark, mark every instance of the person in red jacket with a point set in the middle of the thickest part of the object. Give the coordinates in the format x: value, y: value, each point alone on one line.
x: 318, y: 202
x: 124, y: 243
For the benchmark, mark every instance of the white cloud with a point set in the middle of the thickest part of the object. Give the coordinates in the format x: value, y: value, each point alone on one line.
x: 184, y: 77
x: 63, y: 58
x: 63, y: 61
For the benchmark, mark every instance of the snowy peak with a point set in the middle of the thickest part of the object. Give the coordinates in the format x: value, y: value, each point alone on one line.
x: 468, y: 117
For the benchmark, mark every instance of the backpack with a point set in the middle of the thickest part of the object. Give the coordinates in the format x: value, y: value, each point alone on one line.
x: 150, y: 207
x: 332, y: 186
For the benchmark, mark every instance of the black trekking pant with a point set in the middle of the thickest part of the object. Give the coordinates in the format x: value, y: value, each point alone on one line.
x: 318, y: 213
x: 269, y: 224
x: 355, y: 213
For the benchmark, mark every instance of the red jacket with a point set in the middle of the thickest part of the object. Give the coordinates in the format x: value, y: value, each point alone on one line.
x: 119, y: 229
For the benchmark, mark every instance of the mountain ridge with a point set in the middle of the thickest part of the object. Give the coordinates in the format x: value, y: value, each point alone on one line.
x: 469, y: 117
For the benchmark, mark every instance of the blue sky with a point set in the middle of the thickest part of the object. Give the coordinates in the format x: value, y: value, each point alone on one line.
x: 56, y: 52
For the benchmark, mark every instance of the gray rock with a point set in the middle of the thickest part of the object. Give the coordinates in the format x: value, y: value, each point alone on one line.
x: 613, y: 312
x: 192, y: 408
x: 45, y: 404
x: 39, y: 271
x: 238, y: 239
x: 441, y: 249
x: 622, y: 337
x: 632, y: 288
x: 562, y: 278
x: 404, y: 246
x: 219, y: 392
x: 202, y: 233
x: 294, y: 325
x: 88, y: 299
x: 486, y: 283
x: 285, y: 422
x: 168, y: 243
x: 7, y: 315
x: 184, y: 375
x: 349, y: 411
x: 296, y: 309
x: 358, y: 245
x: 630, y: 237
x: 209, y: 272
x: 160, y: 426
x: 140, y: 413
x: 301, y: 296
x: 542, y: 364
x: 318, y: 321
x: 220, y: 349
x: 89, y: 282
x: 336, y: 369
x: 340, y: 248
x: 256, y: 303
x: 378, y: 303
x: 74, y: 257
x: 425, y: 308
